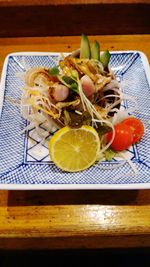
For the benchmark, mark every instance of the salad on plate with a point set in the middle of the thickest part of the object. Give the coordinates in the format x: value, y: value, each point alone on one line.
x: 81, y: 98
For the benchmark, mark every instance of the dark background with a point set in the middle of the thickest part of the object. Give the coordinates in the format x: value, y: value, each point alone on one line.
x: 73, y: 258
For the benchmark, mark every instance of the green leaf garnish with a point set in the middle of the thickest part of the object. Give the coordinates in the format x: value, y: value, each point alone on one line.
x: 74, y: 74
x: 76, y: 120
x: 74, y: 87
x: 53, y: 71
x: 86, y: 118
x: 105, y: 58
x: 103, y: 128
x: 67, y: 80
x: 72, y: 84
x: 109, y: 154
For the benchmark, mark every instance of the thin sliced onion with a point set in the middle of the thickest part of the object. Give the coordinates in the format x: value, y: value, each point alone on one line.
x: 133, y: 167
x: 100, y: 165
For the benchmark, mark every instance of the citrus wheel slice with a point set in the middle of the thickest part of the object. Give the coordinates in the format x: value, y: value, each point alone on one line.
x: 74, y: 150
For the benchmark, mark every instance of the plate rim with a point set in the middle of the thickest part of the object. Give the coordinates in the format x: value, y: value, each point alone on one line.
x: 9, y: 186
x: 66, y: 187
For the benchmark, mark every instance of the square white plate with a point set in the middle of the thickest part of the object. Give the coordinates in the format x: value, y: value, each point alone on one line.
x: 22, y: 167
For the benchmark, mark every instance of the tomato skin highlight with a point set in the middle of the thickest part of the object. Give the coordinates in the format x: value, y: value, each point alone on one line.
x: 123, y: 137
x: 136, y: 126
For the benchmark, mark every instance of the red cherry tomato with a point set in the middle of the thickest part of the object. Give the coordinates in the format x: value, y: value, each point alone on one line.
x: 123, y: 137
x: 136, y: 126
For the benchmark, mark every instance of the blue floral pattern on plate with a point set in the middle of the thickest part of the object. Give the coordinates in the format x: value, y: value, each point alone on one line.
x: 22, y: 167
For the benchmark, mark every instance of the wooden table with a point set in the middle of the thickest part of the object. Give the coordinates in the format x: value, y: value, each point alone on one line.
x: 73, y: 17
x: 74, y: 219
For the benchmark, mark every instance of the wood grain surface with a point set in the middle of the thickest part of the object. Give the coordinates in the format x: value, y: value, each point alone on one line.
x: 8, y: 3
x: 62, y: 17
x: 74, y: 219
